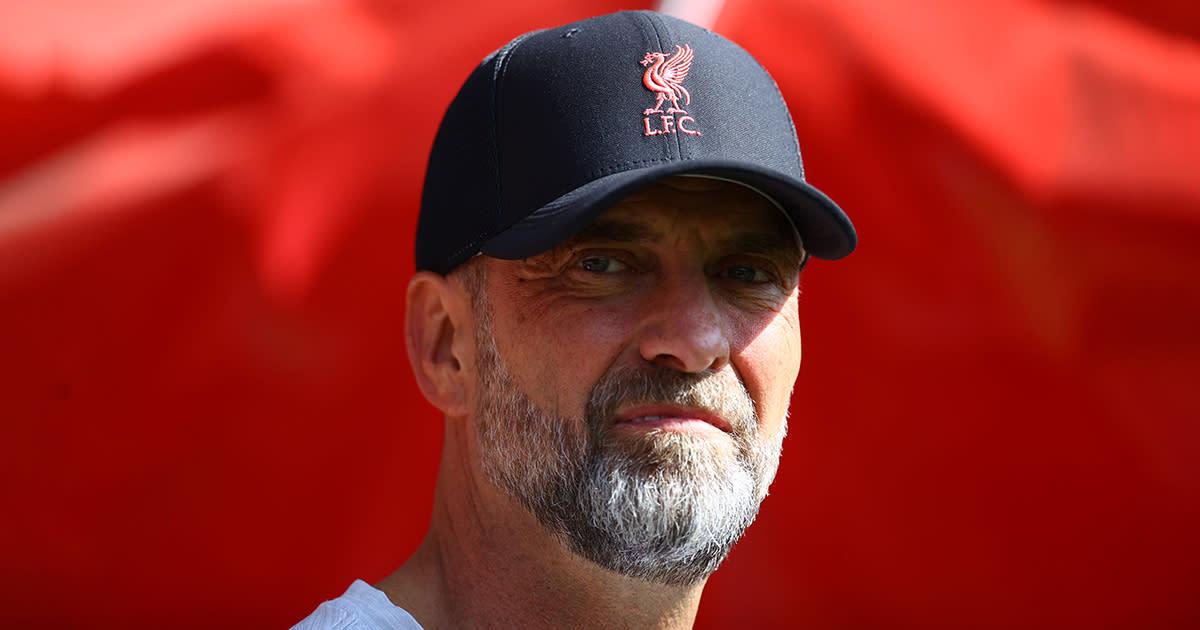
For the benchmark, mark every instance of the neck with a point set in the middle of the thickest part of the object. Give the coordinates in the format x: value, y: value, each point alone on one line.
x: 487, y: 563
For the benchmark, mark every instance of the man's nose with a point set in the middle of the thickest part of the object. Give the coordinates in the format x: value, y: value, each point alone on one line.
x: 683, y: 327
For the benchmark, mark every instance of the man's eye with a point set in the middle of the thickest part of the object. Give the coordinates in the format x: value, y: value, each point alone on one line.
x: 746, y: 273
x: 601, y: 264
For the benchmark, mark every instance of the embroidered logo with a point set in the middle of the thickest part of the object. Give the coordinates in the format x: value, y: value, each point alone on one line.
x: 664, y: 76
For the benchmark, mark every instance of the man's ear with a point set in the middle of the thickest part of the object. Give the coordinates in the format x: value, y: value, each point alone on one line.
x: 439, y: 335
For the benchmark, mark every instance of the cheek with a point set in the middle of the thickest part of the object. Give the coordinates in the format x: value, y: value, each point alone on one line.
x: 769, y: 364
x: 557, y: 353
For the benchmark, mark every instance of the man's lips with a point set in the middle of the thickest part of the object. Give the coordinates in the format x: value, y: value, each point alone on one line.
x: 671, y: 417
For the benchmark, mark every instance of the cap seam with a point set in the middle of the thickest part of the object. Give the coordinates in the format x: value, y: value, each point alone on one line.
x: 501, y: 64
x: 658, y: 40
x: 791, y: 123
x: 497, y: 79
x: 623, y: 166
x: 473, y: 245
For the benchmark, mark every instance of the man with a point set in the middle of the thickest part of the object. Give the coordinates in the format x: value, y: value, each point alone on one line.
x: 612, y: 230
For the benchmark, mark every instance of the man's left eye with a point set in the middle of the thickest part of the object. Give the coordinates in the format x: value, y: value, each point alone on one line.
x: 601, y: 264
x: 745, y: 273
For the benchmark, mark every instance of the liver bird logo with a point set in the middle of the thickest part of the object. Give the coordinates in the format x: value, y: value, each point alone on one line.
x: 665, y: 77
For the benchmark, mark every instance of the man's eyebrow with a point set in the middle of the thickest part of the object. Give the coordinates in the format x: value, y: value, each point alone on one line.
x: 781, y: 246
x: 616, y: 231
x: 784, y: 247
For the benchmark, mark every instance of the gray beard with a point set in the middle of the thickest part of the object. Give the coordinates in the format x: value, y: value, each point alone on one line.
x: 661, y: 506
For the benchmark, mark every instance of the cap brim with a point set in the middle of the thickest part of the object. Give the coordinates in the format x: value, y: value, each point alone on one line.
x: 824, y: 229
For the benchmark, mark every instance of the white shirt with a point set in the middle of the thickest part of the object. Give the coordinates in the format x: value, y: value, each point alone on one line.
x: 361, y: 607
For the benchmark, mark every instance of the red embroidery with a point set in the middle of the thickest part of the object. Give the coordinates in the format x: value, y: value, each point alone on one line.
x: 665, y: 77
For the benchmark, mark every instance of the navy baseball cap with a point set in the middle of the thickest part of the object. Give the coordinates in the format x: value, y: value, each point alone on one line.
x: 560, y: 124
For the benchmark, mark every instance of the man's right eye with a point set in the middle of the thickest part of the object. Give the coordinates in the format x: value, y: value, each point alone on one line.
x: 602, y: 264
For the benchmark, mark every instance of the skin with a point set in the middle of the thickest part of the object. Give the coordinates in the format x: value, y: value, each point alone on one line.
x: 693, y: 274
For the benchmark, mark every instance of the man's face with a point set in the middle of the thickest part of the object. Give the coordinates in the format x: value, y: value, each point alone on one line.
x: 634, y: 381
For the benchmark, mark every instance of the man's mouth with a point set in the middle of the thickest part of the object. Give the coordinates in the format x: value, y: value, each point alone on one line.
x: 671, y: 419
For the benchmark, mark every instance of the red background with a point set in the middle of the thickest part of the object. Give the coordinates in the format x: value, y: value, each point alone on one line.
x: 206, y: 224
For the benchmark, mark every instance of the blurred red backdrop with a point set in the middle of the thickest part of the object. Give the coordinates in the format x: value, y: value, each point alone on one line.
x: 206, y: 225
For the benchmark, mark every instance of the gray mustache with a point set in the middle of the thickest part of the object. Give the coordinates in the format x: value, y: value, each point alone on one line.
x: 718, y: 393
